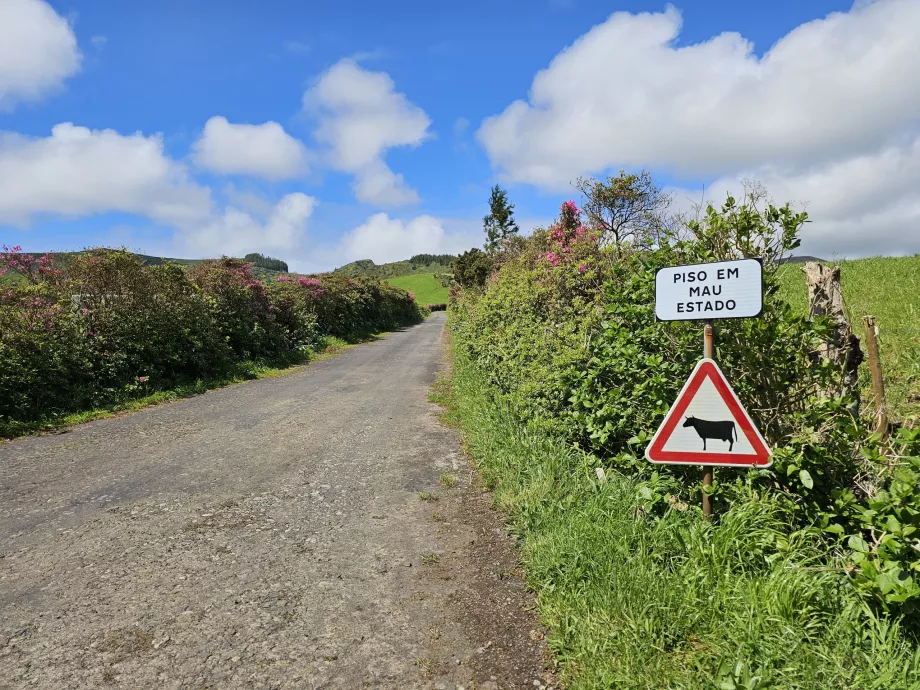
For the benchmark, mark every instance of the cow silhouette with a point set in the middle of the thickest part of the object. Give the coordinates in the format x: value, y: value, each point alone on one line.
x: 721, y: 431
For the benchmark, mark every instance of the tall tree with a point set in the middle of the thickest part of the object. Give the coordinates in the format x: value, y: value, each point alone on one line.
x: 500, y: 222
x: 627, y: 208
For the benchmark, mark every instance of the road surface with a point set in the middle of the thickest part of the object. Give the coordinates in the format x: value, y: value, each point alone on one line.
x: 265, y: 535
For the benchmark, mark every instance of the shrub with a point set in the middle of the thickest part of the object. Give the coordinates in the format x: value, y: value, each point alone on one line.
x: 110, y: 327
x: 565, y: 332
x: 472, y: 268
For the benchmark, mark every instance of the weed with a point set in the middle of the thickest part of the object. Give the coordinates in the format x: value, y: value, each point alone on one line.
x: 428, y: 496
x: 438, y: 516
x: 430, y: 558
x: 448, y: 481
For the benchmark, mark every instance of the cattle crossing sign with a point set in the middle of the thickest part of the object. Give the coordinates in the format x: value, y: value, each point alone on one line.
x: 707, y: 425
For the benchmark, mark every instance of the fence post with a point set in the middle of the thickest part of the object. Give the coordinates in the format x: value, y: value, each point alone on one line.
x: 878, y: 384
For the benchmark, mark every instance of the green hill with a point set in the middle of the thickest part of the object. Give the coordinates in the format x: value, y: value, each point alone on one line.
x: 425, y: 286
x: 888, y: 288
x: 418, y: 264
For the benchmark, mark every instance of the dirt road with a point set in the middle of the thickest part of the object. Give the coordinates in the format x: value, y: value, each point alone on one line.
x: 266, y: 535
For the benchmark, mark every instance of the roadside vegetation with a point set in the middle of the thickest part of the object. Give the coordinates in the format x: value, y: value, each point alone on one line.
x: 807, y: 575
x: 889, y: 289
x: 108, y: 330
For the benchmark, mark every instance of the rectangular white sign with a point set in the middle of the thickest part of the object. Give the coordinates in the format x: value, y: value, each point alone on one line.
x: 720, y: 290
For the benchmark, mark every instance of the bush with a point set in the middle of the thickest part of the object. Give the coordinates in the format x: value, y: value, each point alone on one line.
x: 437, y: 307
x: 638, y: 590
x: 565, y: 332
x: 110, y: 328
x: 472, y: 268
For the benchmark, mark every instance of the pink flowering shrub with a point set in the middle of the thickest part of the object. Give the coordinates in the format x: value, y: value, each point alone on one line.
x: 103, y: 326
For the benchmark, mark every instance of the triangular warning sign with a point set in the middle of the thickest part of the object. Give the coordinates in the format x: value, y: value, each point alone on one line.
x: 708, y: 426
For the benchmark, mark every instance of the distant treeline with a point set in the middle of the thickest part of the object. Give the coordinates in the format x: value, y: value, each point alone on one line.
x: 428, y: 259
x: 262, y: 261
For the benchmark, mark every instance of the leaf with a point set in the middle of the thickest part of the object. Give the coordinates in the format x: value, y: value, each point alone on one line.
x: 806, y: 479
x: 857, y: 543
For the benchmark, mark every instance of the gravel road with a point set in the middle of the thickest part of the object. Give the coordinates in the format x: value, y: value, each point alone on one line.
x: 266, y: 535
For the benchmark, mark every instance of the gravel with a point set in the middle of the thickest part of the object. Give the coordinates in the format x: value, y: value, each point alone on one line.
x: 265, y: 535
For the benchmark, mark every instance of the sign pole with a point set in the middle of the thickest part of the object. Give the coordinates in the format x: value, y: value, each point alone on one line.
x: 708, y: 353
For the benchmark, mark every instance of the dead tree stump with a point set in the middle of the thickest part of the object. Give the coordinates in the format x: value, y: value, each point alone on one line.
x: 826, y: 299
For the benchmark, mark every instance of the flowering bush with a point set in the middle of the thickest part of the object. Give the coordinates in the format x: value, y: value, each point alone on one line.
x: 108, y: 327
x: 566, y: 333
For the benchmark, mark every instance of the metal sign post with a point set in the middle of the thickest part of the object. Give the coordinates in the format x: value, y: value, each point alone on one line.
x: 707, y: 412
x: 709, y: 352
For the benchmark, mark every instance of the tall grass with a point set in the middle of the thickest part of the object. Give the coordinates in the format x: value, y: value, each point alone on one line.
x: 639, y: 591
x: 889, y: 289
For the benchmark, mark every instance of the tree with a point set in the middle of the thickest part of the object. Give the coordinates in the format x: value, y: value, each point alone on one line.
x: 268, y: 262
x: 625, y: 208
x: 500, y: 222
x: 472, y: 268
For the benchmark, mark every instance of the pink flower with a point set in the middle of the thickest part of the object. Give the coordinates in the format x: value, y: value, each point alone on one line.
x: 142, y: 379
x: 583, y: 268
x: 84, y: 310
x: 570, y: 207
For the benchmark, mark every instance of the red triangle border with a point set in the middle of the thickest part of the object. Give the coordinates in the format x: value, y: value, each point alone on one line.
x: 707, y: 368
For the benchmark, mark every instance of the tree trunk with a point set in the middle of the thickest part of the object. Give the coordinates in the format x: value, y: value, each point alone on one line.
x: 826, y: 299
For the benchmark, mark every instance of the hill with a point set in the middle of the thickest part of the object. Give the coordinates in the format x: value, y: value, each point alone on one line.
x: 888, y: 288
x: 418, y: 264
x: 426, y: 287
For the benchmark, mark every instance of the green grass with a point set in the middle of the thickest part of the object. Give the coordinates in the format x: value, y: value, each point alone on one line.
x: 887, y: 288
x: 329, y: 347
x: 657, y: 597
x: 427, y: 288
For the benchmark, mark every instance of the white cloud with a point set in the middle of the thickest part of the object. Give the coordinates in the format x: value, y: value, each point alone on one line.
x: 385, y: 239
x: 866, y: 205
x: 99, y: 41
x: 829, y: 116
x: 237, y: 232
x: 264, y: 150
x: 38, y: 51
x: 78, y: 172
x: 361, y: 116
x: 625, y: 94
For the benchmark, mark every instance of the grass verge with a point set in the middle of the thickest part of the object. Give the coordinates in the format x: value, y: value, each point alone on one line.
x: 329, y: 347
x: 639, y: 591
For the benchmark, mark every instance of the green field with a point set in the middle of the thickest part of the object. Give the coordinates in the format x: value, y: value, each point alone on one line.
x: 427, y: 288
x: 889, y: 289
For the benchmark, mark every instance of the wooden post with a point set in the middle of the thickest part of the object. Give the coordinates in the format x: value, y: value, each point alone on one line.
x: 878, y: 384
x: 708, y: 353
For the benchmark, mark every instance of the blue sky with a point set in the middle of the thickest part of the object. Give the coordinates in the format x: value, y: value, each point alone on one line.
x: 416, y: 82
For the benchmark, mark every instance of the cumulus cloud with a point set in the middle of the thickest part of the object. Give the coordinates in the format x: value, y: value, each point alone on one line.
x: 361, y: 117
x: 38, y: 51
x: 236, y: 232
x: 829, y: 116
x: 860, y: 206
x: 265, y: 150
x: 77, y: 172
x: 383, y: 239
x: 625, y: 94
